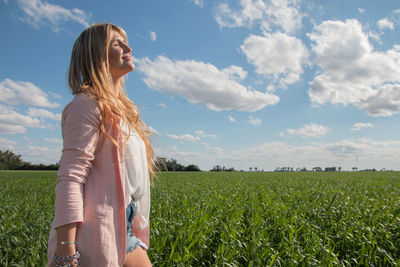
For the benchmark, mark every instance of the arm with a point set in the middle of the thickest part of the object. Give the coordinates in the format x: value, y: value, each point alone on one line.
x: 80, y: 130
x: 66, y: 232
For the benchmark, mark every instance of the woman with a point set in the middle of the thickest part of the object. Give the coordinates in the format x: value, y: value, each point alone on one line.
x: 102, y: 192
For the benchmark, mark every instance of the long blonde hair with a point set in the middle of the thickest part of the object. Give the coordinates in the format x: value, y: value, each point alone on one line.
x: 89, y: 74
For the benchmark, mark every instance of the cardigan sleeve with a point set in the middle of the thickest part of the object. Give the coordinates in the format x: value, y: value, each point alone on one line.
x: 80, y: 131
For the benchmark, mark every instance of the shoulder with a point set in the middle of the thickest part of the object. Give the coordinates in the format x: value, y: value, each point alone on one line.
x: 82, y: 108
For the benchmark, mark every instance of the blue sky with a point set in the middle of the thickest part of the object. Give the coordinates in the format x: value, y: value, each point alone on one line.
x: 241, y: 84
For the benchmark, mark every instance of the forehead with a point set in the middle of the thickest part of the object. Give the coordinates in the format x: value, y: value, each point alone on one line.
x: 116, y: 35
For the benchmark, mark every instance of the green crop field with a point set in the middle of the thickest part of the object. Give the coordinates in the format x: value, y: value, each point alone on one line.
x: 233, y: 219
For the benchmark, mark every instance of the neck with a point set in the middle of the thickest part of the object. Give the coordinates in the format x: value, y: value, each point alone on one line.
x: 116, y: 83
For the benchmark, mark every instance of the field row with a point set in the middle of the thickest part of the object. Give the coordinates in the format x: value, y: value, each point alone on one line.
x: 233, y: 219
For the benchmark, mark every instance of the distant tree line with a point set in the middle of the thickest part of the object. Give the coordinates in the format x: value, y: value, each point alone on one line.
x: 219, y: 168
x: 172, y: 165
x: 11, y: 161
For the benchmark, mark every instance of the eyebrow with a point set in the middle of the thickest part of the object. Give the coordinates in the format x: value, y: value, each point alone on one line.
x: 118, y: 39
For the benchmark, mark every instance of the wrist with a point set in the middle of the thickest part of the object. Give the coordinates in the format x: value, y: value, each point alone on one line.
x: 62, y: 251
x: 66, y: 261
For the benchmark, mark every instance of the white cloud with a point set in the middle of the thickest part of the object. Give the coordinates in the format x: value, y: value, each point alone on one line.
x: 231, y: 119
x: 268, y: 156
x: 38, y: 12
x: 371, y: 154
x: 360, y: 125
x: 203, y: 83
x: 351, y: 72
x: 216, y: 150
x: 153, y: 131
x: 384, y: 102
x: 198, y: 2
x: 385, y: 24
x: 54, y: 95
x: 361, y: 10
x: 276, y: 55
x: 11, y: 129
x: 13, y: 122
x: 202, y: 134
x: 184, y: 137
x: 283, y: 14
x: 184, y: 157
x: 153, y: 36
x: 53, y: 140
x: 311, y: 130
x: 162, y: 105
x: 6, y: 143
x: 39, y: 154
x: 25, y: 93
x: 192, y: 138
x: 254, y: 121
x: 375, y: 36
x: 42, y: 113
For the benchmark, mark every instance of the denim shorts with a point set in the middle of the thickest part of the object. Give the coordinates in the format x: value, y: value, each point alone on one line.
x: 132, y: 241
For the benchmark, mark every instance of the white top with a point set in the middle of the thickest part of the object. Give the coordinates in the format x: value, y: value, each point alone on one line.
x: 137, y: 183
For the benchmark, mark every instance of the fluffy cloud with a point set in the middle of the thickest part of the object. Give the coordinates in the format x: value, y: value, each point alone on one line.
x: 192, y: 138
x: 361, y: 10
x: 13, y: 122
x: 203, y: 83
x: 163, y: 105
x: 283, y: 14
x: 38, y: 12
x: 198, y: 2
x: 351, y: 72
x: 53, y: 140
x: 6, y: 143
x: 153, y: 131
x: 384, y: 102
x: 40, y: 154
x: 254, y: 121
x: 202, y: 134
x: 276, y: 55
x: 268, y: 156
x: 360, y: 125
x: 184, y: 137
x: 385, y: 24
x: 26, y: 93
x: 153, y: 36
x: 311, y: 130
x: 42, y: 113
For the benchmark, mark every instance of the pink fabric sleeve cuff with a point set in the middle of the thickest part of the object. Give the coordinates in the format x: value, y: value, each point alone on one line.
x: 69, y: 202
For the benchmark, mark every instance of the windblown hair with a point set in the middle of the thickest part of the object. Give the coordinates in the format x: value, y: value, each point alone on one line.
x: 89, y: 74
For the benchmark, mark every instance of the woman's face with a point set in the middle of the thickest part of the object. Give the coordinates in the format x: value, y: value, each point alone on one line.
x: 119, y: 56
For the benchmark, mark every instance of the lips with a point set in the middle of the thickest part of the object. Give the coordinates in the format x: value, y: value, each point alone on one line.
x: 126, y: 58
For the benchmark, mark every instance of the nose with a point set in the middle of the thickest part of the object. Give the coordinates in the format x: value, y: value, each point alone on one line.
x: 127, y: 48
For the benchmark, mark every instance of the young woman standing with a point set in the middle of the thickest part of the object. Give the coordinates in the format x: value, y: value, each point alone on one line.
x: 103, y: 189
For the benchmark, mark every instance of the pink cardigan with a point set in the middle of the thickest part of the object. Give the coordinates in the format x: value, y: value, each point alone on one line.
x: 90, y: 188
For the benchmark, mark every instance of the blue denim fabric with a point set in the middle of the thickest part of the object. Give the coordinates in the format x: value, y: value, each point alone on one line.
x: 132, y: 241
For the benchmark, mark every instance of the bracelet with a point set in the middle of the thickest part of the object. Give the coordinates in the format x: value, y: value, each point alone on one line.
x: 66, y: 264
x: 67, y: 242
x: 66, y: 261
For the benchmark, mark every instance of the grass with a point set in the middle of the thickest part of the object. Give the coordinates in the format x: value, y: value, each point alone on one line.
x: 233, y: 219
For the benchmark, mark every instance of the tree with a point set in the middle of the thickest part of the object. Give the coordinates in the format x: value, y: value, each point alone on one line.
x: 9, y: 160
x: 192, y: 168
x: 216, y: 168
x: 164, y: 164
